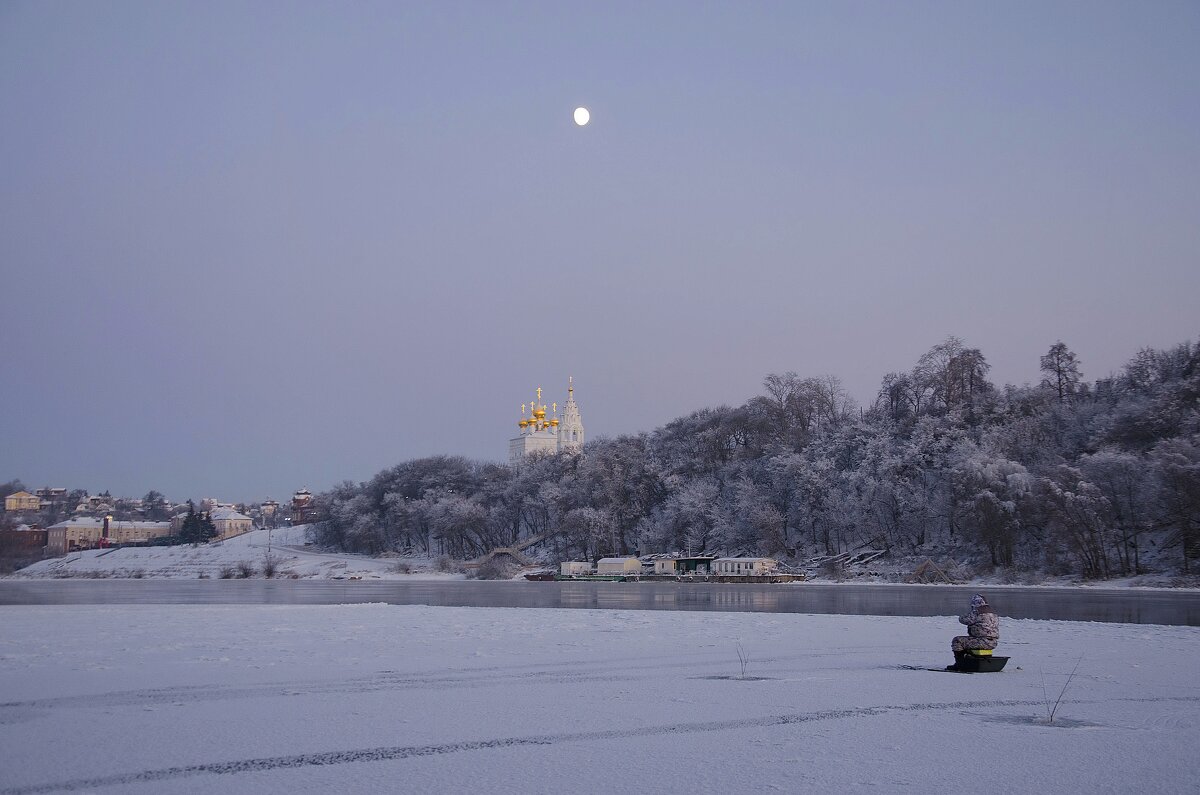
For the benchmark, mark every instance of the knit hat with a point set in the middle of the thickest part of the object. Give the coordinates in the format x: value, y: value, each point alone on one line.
x: 978, y: 601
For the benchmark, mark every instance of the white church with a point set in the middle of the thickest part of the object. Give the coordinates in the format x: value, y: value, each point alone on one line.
x: 553, y: 435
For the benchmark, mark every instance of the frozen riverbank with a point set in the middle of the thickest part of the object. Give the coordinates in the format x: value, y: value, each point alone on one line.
x: 285, y: 550
x: 378, y: 697
x: 289, y: 555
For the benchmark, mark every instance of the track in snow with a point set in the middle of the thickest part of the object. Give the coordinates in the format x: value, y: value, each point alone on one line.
x: 387, y: 753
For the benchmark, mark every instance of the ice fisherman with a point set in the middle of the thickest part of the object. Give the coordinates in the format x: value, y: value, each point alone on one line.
x: 983, y: 629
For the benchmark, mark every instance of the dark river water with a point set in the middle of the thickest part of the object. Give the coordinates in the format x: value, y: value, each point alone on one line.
x: 1066, y: 604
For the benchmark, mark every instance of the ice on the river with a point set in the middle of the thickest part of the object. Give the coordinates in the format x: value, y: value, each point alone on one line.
x: 380, y: 698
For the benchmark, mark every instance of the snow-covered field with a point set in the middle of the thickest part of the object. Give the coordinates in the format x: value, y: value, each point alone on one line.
x: 285, y: 546
x: 379, y: 698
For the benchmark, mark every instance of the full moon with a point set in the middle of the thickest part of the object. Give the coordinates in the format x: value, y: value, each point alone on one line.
x: 582, y: 116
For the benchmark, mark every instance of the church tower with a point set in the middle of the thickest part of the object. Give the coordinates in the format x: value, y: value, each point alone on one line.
x: 541, y: 435
x: 570, y: 430
x: 538, y: 434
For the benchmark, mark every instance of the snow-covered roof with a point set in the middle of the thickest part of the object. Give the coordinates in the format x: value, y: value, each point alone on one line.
x: 88, y: 522
x: 85, y: 521
x: 227, y: 513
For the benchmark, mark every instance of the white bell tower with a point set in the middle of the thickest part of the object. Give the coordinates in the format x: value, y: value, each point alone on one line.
x: 570, y: 427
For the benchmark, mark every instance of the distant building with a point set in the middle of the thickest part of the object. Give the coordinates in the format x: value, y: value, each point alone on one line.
x: 618, y: 566
x: 688, y: 565
x: 56, y: 496
x: 90, y: 533
x: 540, y: 434
x: 229, y: 522
x: 744, y: 566
x: 24, y: 542
x: 265, y: 514
x: 98, y: 502
x: 304, y: 509
x: 22, y: 502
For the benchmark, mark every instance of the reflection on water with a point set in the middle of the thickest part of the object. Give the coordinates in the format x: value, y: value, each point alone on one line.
x: 1067, y: 604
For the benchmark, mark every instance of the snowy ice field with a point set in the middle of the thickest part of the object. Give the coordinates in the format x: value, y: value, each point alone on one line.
x: 381, y: 698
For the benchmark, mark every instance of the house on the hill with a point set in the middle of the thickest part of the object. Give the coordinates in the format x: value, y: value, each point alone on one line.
x: 304, y: 508
x: 22, y: 502
x: 229, y: 522
x: 56, y: 495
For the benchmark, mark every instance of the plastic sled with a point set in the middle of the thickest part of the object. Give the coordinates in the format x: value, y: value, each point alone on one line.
x: 980, y: 661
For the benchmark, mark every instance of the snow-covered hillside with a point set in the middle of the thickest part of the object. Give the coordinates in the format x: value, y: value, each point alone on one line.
x: 233, y: 557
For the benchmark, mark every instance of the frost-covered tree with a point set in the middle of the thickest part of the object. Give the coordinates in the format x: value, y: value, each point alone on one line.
x: 1177, y: 465
x: 943, y: 462
x: 11, y: 487
x: 992, y: 491
x: 1078, y: 512
x: 197, y: 527
x: 899, y: 397
x: 1060, y: 366
x: 950, y: 375
x: 1129, y: 487
x: 154, y: 507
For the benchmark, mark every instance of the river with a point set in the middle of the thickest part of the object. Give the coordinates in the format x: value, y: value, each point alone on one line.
x: 1132, y: 606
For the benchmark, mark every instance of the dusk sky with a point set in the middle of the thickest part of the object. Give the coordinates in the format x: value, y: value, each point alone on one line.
x: 252, y: 247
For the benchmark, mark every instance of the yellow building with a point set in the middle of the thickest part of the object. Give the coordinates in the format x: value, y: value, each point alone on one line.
x: 22, y: 501
x: 230, y: 523
x: 618, y: 566
x: 89, y: 533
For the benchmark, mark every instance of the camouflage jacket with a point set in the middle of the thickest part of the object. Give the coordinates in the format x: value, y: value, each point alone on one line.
x: 982, y: 623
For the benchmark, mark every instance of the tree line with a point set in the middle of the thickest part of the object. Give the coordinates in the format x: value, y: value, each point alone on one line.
x: 1098, y: 479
